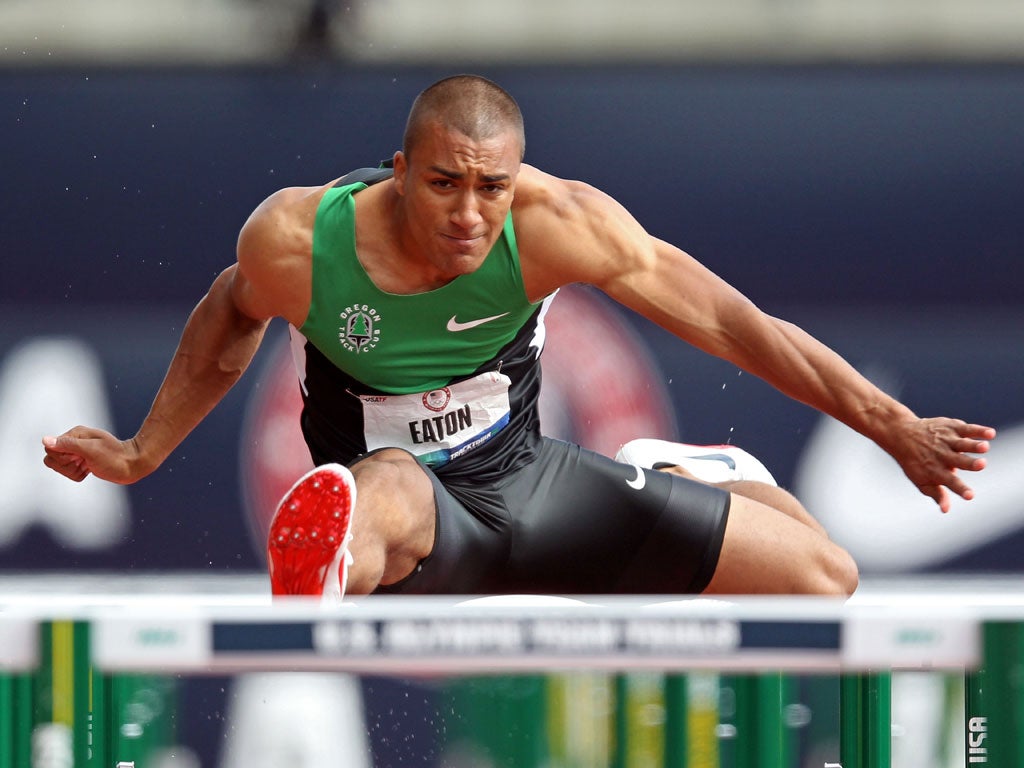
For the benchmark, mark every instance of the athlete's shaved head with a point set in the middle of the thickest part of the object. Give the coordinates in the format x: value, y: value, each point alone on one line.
x: 469, y: 104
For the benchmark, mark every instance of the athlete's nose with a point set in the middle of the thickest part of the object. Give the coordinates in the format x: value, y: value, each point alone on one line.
x: 466, y: 215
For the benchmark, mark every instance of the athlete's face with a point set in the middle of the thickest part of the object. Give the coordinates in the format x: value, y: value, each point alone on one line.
x: 456, y: 193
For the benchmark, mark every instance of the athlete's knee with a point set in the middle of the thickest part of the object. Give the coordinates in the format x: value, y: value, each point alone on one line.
x: 836, y: 572
x: 825, y: 569
x: 366, y: 571
x: 394, y: 521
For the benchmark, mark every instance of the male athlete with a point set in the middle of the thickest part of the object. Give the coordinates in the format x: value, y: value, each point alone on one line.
x: 416, y: 297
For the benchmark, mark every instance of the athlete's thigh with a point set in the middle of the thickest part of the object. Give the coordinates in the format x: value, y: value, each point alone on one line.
x: 583, y: 523
x: 767, y: 551
x: 470, y: 541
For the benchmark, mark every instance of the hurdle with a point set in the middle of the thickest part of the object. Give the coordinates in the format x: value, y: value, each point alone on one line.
x: 994, y: 708
x: 759, y: 643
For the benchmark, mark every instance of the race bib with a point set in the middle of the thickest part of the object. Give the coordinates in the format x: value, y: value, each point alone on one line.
x: 442, y: 424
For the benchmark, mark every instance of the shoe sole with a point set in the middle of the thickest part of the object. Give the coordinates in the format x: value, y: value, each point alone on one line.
x: 308, y: 537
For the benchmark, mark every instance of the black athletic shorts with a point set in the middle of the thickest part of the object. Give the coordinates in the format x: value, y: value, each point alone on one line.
x: 572, y: 522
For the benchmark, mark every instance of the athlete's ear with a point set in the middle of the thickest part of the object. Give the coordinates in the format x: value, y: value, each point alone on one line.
x: 401, y: 168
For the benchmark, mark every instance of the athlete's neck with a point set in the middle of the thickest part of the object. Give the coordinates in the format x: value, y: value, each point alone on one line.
x: 386, y: 248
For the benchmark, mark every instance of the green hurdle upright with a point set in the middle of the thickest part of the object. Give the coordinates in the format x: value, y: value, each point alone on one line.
x: 62, y: 724
x: 68, y: 699
x: 639, y: 720
x: 994, y: 706
x: 68, y: 713
x: 976, y: 716
x: 762, y: 738
x: 691, y: 720
x: 666, y: 720
x: 865, y: 728
x: 15, y: 719
x: 501, y: 721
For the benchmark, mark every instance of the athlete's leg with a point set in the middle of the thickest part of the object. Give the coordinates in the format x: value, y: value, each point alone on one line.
x: 767, y: 551
x: 585, y: 524
x: 724, y: 466
x: 771, y: 495
x: 341, y: 531
x: 393, y: 522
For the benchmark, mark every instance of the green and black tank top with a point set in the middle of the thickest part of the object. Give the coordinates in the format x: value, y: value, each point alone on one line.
x: 452, y: 374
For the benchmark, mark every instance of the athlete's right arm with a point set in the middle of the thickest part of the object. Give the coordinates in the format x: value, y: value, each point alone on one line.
x: 219, y: 341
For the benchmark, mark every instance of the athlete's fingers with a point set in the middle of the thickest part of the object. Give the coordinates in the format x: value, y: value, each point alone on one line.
x: 968, y: 444
x: 977, y: 432
x: 968, y: 462
x: 60, y: 446
x: 72, y: 467
x: 953, y: 445
x: 70, y: 461
x: 938, y: 494
x: 79, y: 452
x: 956, y: 484
x: 962, y: 450
x: 71, y: 440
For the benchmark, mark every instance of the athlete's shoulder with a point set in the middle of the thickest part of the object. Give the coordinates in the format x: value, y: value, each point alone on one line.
x: 542, y: 199
x: 291, y: 201
x: 540, y: 190
x: 569, y: 231
x: 274, y: 252
x: 280, y: 217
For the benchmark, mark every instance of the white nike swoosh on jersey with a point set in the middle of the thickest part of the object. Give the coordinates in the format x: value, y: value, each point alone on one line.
x: 640, y: 481
x: 455, y: 326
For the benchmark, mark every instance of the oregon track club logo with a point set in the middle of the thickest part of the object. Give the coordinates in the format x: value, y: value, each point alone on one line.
x: 359, y: 331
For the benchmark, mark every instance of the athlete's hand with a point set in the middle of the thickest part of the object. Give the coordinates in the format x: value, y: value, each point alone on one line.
x: 82, y: 451
x: 930, y: 451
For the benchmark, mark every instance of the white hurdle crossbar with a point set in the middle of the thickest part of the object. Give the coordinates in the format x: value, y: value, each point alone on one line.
x: 862, y: 640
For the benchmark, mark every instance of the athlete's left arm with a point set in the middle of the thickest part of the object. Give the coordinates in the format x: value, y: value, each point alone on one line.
x: 598, y: 242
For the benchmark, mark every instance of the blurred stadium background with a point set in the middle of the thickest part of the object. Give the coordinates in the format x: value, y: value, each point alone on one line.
x: 854, y: 167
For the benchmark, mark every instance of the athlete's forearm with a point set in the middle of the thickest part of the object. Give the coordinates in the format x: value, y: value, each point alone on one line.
x: 807, y: 370
x: 216, y: 347
x: 686, y: 298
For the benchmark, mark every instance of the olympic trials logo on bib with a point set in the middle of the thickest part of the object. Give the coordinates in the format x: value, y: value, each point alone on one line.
x: 437, y: 400
x: 359, y: 332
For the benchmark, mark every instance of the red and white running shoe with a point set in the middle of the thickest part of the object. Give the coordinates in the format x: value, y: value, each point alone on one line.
x: 710, y: 463
x: 307, y: 547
